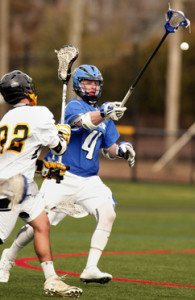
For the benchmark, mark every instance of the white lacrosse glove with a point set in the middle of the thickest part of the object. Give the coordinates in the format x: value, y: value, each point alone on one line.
x: 125, y: 150
x: 112, y: 111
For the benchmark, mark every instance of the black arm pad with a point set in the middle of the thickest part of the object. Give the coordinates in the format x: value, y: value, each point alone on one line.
x: 58, y: 148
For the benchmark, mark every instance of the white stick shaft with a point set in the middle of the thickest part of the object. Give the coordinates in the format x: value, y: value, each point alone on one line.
x: 128, y: 94
x: 63, y: 111
x: 63, y: 103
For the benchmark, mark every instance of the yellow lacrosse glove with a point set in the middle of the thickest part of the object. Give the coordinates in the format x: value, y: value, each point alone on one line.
x: 65, y: 131
x: 50, y: 169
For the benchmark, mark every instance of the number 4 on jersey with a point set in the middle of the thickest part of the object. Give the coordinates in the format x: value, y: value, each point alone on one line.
x: 90, y: 143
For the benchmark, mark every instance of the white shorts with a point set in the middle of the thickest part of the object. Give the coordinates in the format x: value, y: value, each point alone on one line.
x: 31, y: 207
x: 28, y: 210
x: 8, y: 221
x: 89, y: 192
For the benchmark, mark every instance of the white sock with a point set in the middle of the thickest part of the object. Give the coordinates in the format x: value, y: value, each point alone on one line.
x: 24, y: 237
x: 98, y: 243
x: 93, y: 258
x: 48, y: 269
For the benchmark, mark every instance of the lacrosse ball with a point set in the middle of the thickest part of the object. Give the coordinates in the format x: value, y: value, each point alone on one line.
x: 184, y: 46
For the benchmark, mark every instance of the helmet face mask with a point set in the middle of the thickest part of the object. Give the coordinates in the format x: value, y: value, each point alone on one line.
x: 87, y: 73
x: 15, y: 86
x: 90, y: 89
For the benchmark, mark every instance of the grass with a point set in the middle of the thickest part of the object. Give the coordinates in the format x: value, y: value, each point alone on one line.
x: 150, y: 217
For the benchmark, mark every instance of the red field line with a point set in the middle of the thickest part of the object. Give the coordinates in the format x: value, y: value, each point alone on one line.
x: 22, y: 262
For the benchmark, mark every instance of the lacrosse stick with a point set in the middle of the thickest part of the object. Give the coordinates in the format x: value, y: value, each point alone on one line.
x: 66, y: 56
x: 174, y: 19
x: 72, y: 209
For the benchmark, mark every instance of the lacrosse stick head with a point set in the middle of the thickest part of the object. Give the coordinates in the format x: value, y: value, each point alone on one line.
x: 69, y: 208
x: 66, y: 56
x: 175, y: 19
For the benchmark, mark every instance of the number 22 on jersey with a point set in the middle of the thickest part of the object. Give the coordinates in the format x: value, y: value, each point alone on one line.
x: 16, y: 142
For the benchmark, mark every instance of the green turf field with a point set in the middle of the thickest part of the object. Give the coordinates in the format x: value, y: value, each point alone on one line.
x: 150, y: 217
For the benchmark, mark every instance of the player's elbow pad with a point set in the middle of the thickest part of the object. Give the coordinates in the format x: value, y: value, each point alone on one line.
x: 86, y: 122
x: 61, y: 147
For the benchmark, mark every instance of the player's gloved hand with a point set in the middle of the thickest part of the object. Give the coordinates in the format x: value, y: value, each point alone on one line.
x: 65, y: 131
x: 50, y: 169
x: 112, y: 111
x: 125, y: 150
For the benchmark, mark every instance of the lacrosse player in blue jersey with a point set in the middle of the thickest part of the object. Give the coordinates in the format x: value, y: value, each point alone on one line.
x: 92, y: 129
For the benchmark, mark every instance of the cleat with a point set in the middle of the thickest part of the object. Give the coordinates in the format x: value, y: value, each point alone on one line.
x: 55, y: 286
x: 5, y: 266
x: 95, y: 275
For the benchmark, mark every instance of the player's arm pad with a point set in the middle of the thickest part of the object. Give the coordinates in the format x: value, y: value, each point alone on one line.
x: 61, y: 147
x: 83, y: 120
x: 105, y: 152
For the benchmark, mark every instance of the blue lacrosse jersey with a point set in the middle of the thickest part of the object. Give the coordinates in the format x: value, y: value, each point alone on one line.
x: 82, y: 154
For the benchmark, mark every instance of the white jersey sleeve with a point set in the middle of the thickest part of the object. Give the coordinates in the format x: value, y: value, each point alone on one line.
x: 45, y: 130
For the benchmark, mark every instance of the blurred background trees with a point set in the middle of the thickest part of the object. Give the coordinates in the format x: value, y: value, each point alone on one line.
x: 117, y: 37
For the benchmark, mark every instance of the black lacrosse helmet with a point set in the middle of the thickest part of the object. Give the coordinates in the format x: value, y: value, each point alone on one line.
x: 15, y: 86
